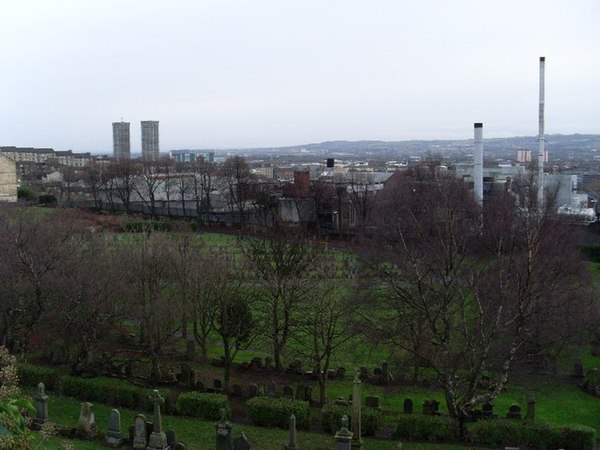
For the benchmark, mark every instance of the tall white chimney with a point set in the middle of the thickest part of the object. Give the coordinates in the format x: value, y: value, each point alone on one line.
x: 541, y: 137
x: 478, y: 162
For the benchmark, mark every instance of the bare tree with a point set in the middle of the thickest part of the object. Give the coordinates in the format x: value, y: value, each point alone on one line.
x: 475, y: 293
x: 149, y: 182
x: 33, y: 247
x: 156, y: 307
x: 120, y: 181
x: 236, y: 172
x: 283, y: 263
x: 326, y: 322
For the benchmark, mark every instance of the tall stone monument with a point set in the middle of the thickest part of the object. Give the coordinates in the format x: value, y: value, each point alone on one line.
x: 356, y: 411
x: 158, y: 438
x: 41, y: 408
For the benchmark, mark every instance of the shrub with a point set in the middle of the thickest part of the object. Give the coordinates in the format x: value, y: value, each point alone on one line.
x: 331, y: 417
x: 31, y: 376
x: 204, y: 405
x: 501, y: 432
x: 88, y: 389
x: 276, y: 412
x: 419, y: 427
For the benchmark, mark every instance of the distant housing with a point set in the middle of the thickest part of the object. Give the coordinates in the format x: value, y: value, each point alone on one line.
x: 41, y: 155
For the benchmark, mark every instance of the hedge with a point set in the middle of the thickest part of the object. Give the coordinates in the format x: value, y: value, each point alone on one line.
x: 31, y: 376
x: 276, y: 412
x: 331, y: 417
x: 419, y: 427
x: 204, y: 405
x: 503, y: 432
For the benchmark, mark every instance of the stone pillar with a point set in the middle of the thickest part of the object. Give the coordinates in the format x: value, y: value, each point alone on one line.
x: 530, y: 407
x: 356, y: 412
x: 343, y: 437
x: 158, y: 438
x: 224, y: 440
x: 114, y: 436
x: 41, y: 408
x: 292, y: 445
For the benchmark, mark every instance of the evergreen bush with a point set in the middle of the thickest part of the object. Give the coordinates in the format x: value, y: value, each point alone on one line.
x: 276, y: 412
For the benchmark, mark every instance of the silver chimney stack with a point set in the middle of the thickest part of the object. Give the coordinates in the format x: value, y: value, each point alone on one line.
x: 541, y: 137
x: 478, y: 162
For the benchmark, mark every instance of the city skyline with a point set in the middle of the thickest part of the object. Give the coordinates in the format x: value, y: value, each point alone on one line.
x: 266, y: 74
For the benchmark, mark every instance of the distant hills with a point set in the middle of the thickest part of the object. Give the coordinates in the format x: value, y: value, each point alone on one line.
x: 559, y: 146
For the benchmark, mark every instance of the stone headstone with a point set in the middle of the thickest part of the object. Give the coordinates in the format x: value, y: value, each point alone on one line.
x: 308, y: 393
x: 530, y: 407
x: 341, y: 401
x: 139, y: 432
x: 269, y: 363
x: 372, y: 401
x: 241, y: 442
x: 385, y: 372
x: 41, y: 408
x: 514, y: 411
x: 236, y: 390
x: 252, y: 390
x: 86, y: 425
x: 224, y: 438
x: 292, y: 444
x: 487, y: 410
x: 364, y: 373
x: 171, y: 438
x: 271, y: 390
x: 256, y: 364
x: 158, y: 438
x: 190, y: 350
x: 288, y: 391
x: 431, y: 407
x: 343, y: 437
x: 114, y: 436
x: 578, y: 368
x: 340, y: 373
x: 408, y: 406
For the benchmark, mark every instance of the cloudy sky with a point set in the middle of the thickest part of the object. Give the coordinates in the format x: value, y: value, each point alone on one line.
x: 249, y: 73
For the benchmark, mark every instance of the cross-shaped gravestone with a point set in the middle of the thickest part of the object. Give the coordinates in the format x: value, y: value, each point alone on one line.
x: 158, y: 438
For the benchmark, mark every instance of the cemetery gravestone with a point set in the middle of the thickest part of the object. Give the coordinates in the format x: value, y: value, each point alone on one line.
x: 487, y: 410
x: 292, y: 444
x: 241, y: 442
x: 408, y: 406
x: 158, y: 438
x: 271, y: 390
x: 372, y: 401
x: 41, y: 408
x: 86, y: 425
x: 252, y: 390
x: 343, y: 437
x: 224, y: 439
x: 514, y: 412
x: 288, y: 391
x: 114, y: 436
x: 139, y: 432
x: 530, y: 407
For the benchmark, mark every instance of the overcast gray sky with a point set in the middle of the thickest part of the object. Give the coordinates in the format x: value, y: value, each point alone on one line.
x: 249, y: 73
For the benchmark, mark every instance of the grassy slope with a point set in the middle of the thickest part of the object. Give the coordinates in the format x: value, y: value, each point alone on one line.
x: 200, y: 435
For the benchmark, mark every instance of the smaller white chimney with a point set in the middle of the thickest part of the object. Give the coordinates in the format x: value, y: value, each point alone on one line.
x: 478, y: 162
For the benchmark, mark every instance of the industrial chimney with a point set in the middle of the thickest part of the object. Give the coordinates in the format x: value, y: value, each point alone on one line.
x: 541, y: 138
x: 478, y: 162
